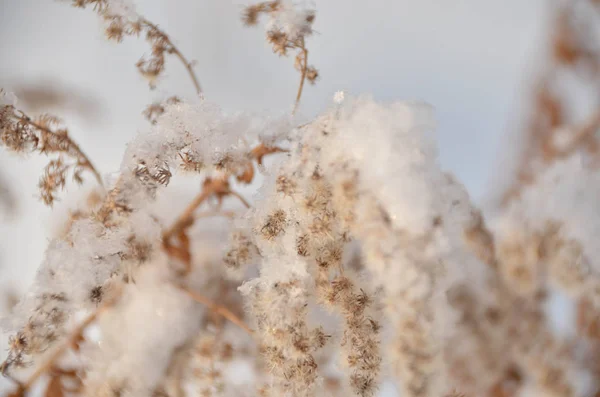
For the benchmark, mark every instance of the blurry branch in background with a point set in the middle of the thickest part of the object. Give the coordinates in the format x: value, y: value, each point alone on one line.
x: 219, y: 309
x: 285, y: 33
x: 45, y: 134
x: 8, y: 298
x: 555, y: 129
x: 122, y: 21
x: 8, y: 201
x: 51, y: 94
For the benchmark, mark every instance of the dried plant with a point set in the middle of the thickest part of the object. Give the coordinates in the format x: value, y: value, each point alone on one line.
x: 287, y: 30
x: 555, y: 128
x: 122, y: 20
x: 45, y: 134
x: 359, y: 260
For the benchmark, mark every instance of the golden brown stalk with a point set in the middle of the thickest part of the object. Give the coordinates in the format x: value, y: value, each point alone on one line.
x: 282, y: 42
x: 119, y: 26
x: 221, y: 310
x: 303, y: 70
x: 172, y: 49
x: 218, y: 187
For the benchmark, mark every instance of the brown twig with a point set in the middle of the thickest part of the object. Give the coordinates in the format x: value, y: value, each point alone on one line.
x: 83, y: 159
x: 242, y: 199
x: 209, y: 214
x: 282, y: 42
x: 119, y: 26
x: 260, y: 151
x: 174, y: 50
x: 303, y: 70
x: 211, y: 186
x: 221, y: 310
x: 218, y: 187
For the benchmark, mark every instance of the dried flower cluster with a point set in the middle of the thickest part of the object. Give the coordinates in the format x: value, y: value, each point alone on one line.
x: 358, y: 261
x: 45, y: 134
x: 287, y: 30
x: 121, y: 20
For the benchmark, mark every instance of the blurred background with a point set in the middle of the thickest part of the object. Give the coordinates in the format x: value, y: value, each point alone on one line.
x: 473, y: 60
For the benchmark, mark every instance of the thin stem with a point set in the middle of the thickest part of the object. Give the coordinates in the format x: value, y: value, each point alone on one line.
x: 219, y: 187
x: 239, y: 196
x: 303, y: 77
x: 174, y: 50
x: 187, y: 216
x: 221, y: 310
x: 190, y: 69
x: 209, y: 214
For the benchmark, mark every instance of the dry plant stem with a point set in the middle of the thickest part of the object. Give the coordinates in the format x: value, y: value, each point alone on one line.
x: 178, y: 54
x: 190, y: 70
x: 71, y: 340
x: 242, y: 199
x: 209, y: 214
x: 86, y: 161
x: 181, y: 248
x: 221, y: 310
x: 302, y: 77
x: 187, y: 217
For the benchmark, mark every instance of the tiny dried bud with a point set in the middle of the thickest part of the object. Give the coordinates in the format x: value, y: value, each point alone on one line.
x: 279, y: 41
x: 312, y: 74
x: 286, y: 185
x: 250, y: 15
x: 275, y: 225
x: 115, y: 30
x: 96, y: 294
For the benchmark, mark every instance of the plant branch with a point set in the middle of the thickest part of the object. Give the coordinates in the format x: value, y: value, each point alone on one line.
x: 174, y: 50
x: 221, y: 310
x: 83, y: 159
x: 303, y: 75
x: 186, y: 219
